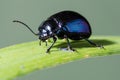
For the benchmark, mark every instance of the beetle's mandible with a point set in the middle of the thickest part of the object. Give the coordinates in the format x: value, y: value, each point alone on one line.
x: 65, y: 24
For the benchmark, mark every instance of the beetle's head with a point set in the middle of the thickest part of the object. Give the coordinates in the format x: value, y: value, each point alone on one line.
x: 44, y: 31
x: 43, y: 35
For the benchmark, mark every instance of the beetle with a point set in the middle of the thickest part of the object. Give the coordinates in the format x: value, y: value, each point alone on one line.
x: 64, y: 24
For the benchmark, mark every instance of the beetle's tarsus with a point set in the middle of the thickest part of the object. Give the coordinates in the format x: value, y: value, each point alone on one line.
x: 101, y: 46
x: 48, y: 51
x: 70, y: 49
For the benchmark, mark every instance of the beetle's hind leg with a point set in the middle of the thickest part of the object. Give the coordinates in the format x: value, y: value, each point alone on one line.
x: 94, y: 44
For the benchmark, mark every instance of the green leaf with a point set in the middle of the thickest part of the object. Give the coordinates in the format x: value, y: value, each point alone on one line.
x: 20, y: 59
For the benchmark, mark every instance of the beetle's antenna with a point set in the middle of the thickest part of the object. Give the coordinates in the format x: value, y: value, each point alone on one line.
x: 26, y: 26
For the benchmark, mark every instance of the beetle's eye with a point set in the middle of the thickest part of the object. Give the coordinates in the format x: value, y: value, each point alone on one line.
x: 44, y: 33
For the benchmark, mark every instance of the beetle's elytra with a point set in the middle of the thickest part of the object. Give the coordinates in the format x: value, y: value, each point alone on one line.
x: 65, y: 24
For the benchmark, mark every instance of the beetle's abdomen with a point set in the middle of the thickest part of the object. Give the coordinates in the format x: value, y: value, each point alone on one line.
x: 78, y: 26
x: 77, y: 29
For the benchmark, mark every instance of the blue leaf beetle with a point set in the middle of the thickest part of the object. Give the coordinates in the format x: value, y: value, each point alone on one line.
x: 65, y: 24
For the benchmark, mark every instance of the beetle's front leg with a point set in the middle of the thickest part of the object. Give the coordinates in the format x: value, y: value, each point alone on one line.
x: 54, y: 40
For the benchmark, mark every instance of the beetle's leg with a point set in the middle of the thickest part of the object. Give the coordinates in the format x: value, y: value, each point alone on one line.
x: 40, y: 43
x: 54, y: 40
x: 46, y: 43
x: 94, y: 44
x: 68, y: 43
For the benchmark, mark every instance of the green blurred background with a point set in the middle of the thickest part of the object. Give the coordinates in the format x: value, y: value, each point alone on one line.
x: 103, y: 15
